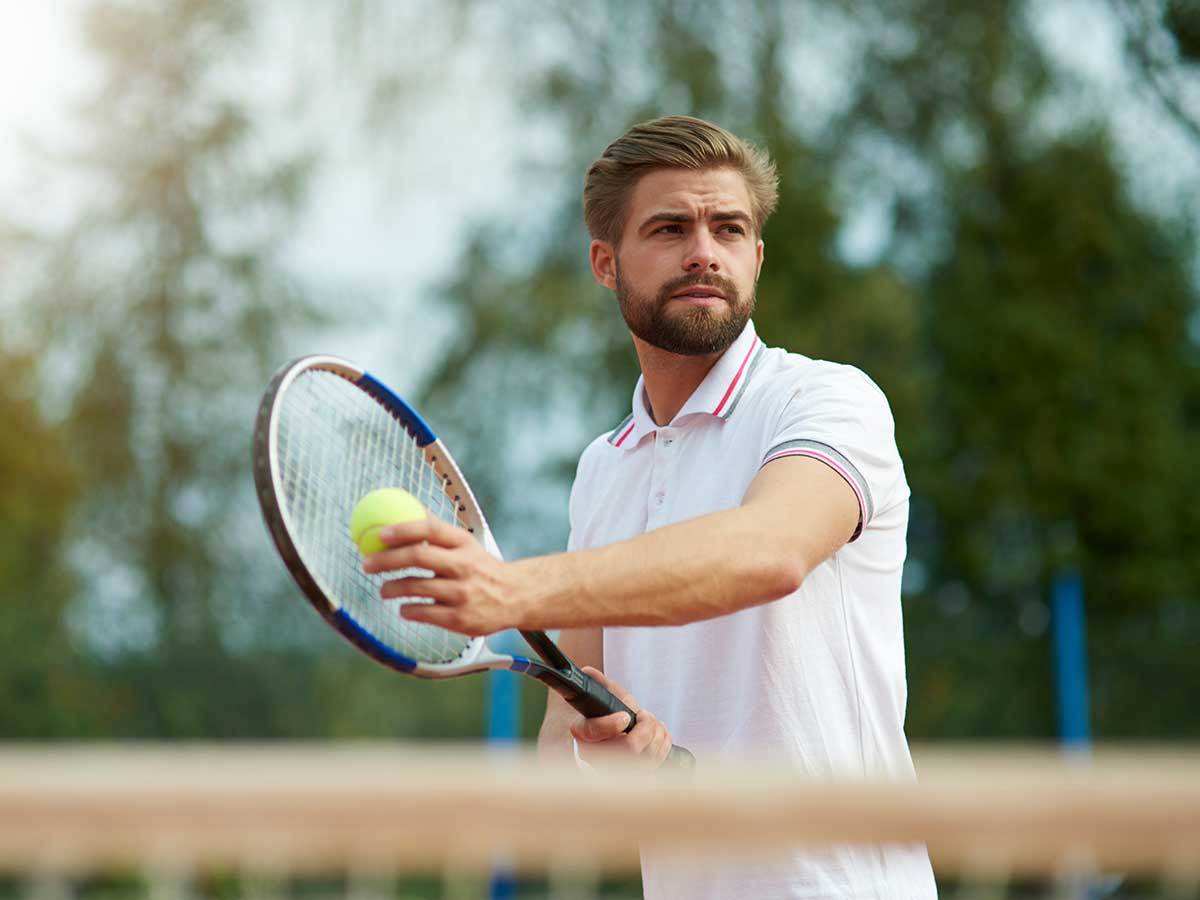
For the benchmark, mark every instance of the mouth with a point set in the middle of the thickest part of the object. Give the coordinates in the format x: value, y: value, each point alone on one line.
x: 699, y: 293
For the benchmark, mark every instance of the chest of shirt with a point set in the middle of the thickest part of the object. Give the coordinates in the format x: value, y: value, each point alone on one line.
x: 698, y: 466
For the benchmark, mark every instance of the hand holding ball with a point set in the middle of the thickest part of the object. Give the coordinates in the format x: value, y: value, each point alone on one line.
x: 377, y: 510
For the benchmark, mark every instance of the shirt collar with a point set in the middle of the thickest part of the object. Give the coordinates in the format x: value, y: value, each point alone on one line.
x: 717, y: 395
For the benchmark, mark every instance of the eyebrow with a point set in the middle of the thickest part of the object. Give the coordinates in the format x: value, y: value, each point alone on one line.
x: 735, y: 215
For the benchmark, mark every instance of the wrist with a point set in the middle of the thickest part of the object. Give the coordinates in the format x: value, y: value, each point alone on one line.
x: 544, y: 591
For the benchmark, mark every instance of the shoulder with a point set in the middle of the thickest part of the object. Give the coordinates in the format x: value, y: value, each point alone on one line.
x: 594, y: 454
x: 589, y: 480
x: 787, y: 379
x: 596, y: 459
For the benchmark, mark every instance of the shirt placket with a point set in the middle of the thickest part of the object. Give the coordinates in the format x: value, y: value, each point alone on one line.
x: 666, y: 444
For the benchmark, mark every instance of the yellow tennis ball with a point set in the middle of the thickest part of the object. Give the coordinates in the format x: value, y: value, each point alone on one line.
x: 378, y: 509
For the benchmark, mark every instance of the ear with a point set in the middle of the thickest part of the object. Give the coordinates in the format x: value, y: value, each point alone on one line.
x: 758, y: 268
x: 604, y: 264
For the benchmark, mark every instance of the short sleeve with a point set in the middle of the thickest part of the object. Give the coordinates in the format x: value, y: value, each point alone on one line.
x: 837, y: 415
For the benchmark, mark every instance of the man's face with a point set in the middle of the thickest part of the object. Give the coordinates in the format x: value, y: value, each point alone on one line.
x: 685, y: 269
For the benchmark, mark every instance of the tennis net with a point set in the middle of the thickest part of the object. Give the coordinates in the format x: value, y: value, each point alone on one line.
x: 390, y: 821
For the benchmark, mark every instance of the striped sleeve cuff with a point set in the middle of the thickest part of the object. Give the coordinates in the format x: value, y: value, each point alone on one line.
x: 837, y: 462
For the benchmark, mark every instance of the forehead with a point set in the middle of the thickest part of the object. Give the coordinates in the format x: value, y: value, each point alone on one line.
x: 688, y: 190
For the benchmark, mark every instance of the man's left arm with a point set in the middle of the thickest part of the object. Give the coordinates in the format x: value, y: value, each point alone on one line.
x: 797, y: 512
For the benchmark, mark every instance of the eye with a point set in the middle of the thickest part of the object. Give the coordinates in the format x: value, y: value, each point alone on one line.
x: 669, y: 229
x: 732, y: 228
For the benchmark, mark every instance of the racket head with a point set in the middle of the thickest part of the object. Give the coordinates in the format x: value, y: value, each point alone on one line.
x: 327, y: 433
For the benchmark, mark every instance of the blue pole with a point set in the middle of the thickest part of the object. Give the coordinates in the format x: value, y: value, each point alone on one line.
x: 504, y: 707
x: 503, y: 729
x: 1070, y: 661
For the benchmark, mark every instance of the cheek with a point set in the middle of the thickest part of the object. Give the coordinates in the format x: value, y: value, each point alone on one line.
x: 647, y: 269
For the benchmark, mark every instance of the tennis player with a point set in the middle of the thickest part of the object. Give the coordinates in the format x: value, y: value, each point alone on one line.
x: 736, y: 542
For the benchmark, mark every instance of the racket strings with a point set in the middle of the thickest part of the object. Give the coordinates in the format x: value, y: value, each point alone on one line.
x: 335, y: 443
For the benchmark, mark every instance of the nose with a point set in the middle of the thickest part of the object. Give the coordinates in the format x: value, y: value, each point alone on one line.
x: 701, y: 254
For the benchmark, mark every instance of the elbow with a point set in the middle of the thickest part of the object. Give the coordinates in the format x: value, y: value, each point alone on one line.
x: 788, y: 576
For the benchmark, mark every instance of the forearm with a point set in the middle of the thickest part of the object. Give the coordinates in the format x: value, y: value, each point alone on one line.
x: 706, y: 567
x: 554, y: 737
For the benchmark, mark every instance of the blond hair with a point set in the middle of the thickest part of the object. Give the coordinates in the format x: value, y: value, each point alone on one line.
x: 671, y: 142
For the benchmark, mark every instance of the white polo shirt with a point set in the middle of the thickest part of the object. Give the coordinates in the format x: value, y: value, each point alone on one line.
x: 817, y: 676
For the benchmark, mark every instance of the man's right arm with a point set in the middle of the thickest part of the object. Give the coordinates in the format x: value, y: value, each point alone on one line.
x: 585, y: 647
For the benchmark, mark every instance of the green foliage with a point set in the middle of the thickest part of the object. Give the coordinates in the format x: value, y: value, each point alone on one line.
x: 1065, y: 310
x: 1028, y: 322
x: 42, y: 687
x: 1182, y: 20
x: 1033, y: 327
x: 156, y: 316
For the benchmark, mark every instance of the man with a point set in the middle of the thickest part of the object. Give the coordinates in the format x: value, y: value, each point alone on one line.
x: 736, y: 543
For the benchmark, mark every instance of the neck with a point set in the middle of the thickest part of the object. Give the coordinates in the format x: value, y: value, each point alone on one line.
x: 670, y: 378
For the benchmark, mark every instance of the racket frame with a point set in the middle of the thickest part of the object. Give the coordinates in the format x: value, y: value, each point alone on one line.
x: 556, y: 670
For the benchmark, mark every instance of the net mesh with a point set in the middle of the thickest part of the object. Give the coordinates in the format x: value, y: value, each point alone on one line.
x: 334, y: 444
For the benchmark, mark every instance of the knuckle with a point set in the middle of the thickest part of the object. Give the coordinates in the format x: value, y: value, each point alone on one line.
x: 452, y: 593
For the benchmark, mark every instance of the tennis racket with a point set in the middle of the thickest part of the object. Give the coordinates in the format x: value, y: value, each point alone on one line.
x: 326, y: 434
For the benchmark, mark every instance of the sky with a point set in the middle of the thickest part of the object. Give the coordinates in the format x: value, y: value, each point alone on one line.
x: 373, y: 239
x: 41, y: 65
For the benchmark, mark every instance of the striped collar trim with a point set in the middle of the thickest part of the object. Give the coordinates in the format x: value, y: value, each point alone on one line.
x: 717, y: 395
x: 619, y: 434
x: 733, y: 394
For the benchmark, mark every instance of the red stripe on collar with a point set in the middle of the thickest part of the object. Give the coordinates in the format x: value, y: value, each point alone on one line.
x: 621, y: 439
x: 736, y: 379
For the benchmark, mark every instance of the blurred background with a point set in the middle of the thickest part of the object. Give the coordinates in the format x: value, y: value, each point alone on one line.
x: 992, y: 208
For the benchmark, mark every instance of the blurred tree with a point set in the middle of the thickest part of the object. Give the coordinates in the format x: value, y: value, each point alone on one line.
x: 1067, y: 309
x: 159, y: 306
x: 44, y: 687
x: 535, y: 325
x: 1162, y: 42
x: 1057, y: 325
x: 1033, y: 328
x: 1026, y: 317
x: 156, y: 315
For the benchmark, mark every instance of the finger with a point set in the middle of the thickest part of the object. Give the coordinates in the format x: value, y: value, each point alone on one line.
x: 602, y: 728
x: 432, y: 614
x: 659, y: 747
x: 439, y: 560
x: 615, y: 689
x: 430, y: 529
x: 443, y: 591
x: 643, y: 734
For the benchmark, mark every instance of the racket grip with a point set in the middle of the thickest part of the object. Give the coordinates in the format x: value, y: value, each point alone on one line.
x: 596, y: 700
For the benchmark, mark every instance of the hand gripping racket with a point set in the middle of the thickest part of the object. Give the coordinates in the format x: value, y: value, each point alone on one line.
x: 326, y: 434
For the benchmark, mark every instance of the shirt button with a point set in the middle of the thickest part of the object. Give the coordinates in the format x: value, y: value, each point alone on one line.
x: 659, y: 498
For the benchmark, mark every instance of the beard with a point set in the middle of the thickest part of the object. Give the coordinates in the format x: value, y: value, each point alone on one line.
x: 683, y: 329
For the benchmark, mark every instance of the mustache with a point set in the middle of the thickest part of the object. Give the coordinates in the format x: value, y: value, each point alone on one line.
x: 704, y: 279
